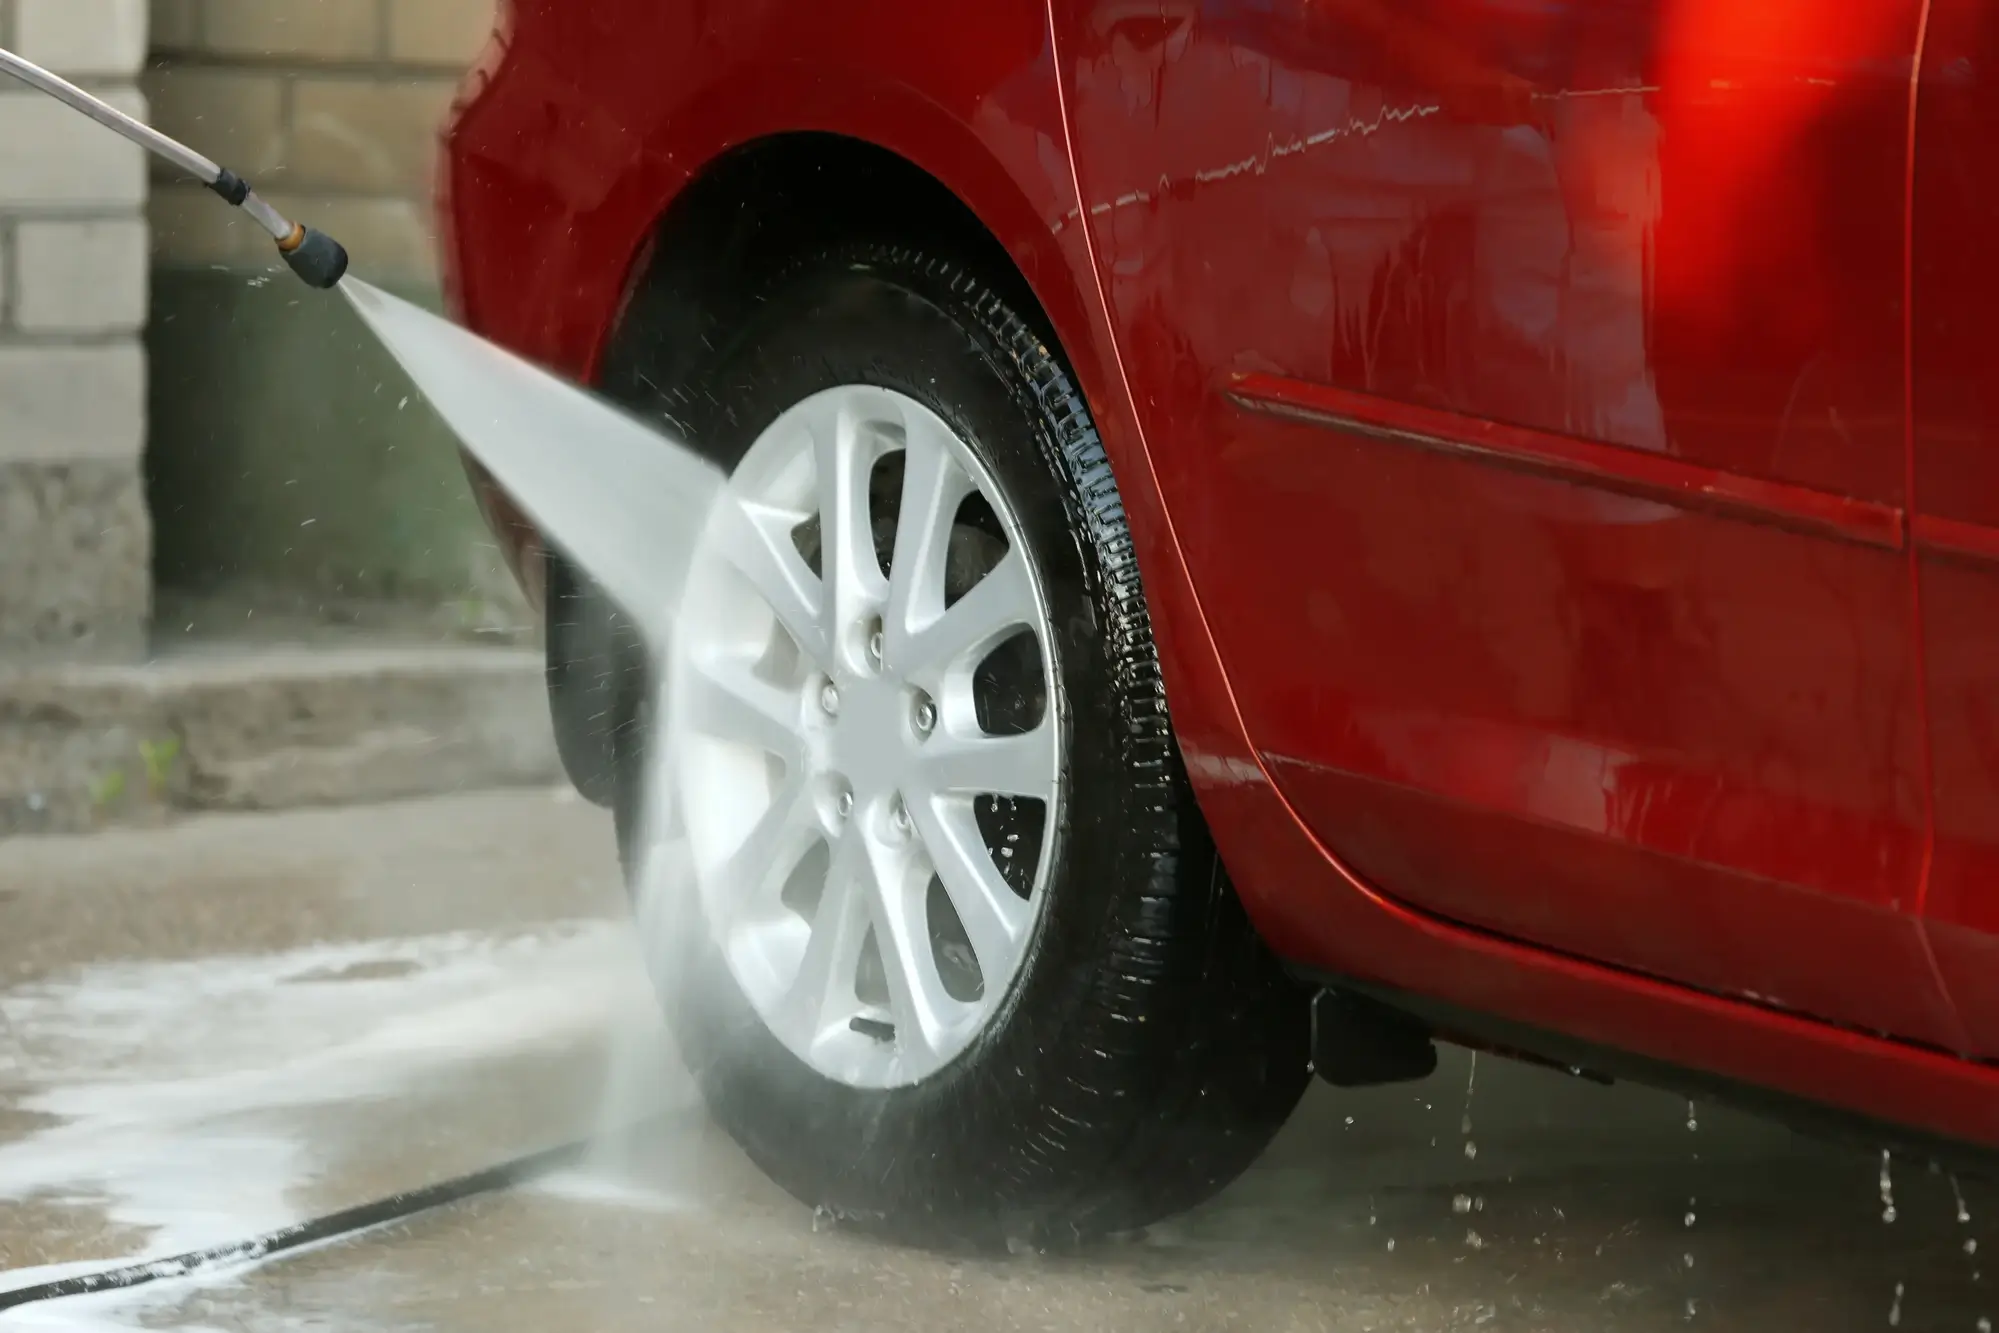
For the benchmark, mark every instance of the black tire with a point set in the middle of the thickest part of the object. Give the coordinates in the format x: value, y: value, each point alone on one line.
x: 1150, y: 1046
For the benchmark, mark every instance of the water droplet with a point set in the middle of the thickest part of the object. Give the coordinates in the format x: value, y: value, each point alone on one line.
x: 1689, y: 1258
x: 1461, y: 1205
x: 1895, y: 1310
x: 1471, y: 1085
x: 1963, y: 1213
x: 1984, y: 1324
x: 1887, y: 1188
x: 1690, y: 1219
x: 1391, y: 1244
x: 404, y: 403
x: 1693, y: 1122
x: 1471, y: 1149
x: 1473, y: 1239
x: 1349, y: 1120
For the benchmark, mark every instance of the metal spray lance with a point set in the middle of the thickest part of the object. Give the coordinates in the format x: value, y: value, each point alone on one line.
x: 313, y: 255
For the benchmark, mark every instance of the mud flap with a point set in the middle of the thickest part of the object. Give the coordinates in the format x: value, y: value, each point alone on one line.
x: 1358, y: 1042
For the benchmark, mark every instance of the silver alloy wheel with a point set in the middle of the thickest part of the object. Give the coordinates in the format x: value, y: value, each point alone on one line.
x: 851, y: 798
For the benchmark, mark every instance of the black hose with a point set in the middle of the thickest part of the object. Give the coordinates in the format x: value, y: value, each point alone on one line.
x: 346, y: 1222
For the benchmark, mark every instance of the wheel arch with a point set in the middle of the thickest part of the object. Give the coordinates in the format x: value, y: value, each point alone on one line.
x: 762, y: 203
x: 749, y: 210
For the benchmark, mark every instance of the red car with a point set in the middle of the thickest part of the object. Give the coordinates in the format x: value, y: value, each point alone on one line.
x: 1264, y: 533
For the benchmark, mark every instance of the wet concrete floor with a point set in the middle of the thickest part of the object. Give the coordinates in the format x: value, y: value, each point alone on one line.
x: 225, y: 1026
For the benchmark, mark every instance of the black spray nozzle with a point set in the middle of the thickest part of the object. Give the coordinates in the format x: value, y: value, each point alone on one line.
x: 317, y: 258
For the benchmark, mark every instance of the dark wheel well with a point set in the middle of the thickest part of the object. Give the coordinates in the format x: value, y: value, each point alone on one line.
x: 750, y: 212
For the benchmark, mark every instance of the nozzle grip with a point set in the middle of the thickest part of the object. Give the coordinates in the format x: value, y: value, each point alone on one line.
x: 317, y: 258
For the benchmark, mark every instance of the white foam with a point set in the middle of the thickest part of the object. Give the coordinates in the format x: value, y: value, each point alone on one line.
x: 177, y: 1085
x: 588, y: 1185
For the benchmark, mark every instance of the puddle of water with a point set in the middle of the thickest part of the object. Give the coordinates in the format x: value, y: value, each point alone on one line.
x: 176, y: 1089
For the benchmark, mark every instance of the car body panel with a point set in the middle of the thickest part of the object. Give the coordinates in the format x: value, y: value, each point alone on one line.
x: 1582, y: 707
x: 1955, y: 401
x: 581, y: 129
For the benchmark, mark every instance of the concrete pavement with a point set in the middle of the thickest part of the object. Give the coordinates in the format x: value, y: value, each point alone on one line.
x: 238, y: 1021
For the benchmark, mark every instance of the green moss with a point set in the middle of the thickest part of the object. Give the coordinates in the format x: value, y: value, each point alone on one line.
x: 158, y: 757
x: 108, y: 789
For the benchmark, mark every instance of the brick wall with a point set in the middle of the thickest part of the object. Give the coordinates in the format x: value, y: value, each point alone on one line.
x: 74, y: 533
x: 290, y: 465
x: 331, y: 107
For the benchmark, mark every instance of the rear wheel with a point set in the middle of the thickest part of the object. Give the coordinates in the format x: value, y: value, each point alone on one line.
x: 947, y: 945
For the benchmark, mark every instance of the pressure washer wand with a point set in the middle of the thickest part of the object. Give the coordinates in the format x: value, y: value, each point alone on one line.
x: 312, y: 254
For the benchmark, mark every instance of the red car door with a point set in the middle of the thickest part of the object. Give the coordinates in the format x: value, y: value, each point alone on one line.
x: 1955, y: 361
x: 1526, y: 382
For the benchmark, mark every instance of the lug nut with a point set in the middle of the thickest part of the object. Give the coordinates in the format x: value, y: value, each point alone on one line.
x: 829, y: 698
x: 898, y: 818
x: 843, y: 804
x: 926, y: 718
x: 875, y: 647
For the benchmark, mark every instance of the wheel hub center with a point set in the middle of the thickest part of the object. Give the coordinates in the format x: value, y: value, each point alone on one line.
x: 870, y: 745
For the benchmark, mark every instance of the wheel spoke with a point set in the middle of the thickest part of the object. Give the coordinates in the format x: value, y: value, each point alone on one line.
x: 753, y: 875
x: 823, y: 990
x: 849, y: 568
x: 933, y: 486
x: 994, y: 916
x: 724, y: 699
x: 756, y: 540
x: 999, y: 604
x: 917, y: 999
x: 1023, y: 765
